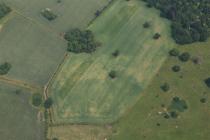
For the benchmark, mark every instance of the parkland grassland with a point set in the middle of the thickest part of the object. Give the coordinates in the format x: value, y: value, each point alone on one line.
x: 145, y: 121
x: 83, y: 92
x: 18, y: 118
x: 119, y: 75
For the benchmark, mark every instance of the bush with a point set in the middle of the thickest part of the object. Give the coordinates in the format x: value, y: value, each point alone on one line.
x: 173, y: 114
x: 4, y: 10
x: 146, y: 25
x: 48, y: 14
x: 112, y: 74
x: 48, y: 103
x: 4, y: 68
x: 156, y: 36
x: 203, y: 100
x: 174, y: 52
x: 116, y: 53
x: 81, y: 41
x: 36, y: 99
x: 207, y: 81
x: 176, y: 68
x: 184, y: 57
x: 165, y: 87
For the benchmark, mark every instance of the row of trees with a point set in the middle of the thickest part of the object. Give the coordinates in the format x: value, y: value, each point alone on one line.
x: 81, y: 41
x: 4, y: 10
x: 190, y: 18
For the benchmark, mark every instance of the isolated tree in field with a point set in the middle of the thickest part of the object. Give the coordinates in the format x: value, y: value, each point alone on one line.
x: 174, y: 52
x: 116, y: 53
x: 184, y: 57
x: 48, y: 14
x: 156, y: 36
x: 165, y: 87
x: 48, y: 103
x: 203, y: 100
x: 146, y: 25
x: 112, y: 74
x: 176, y: 68
x: 4, y: 68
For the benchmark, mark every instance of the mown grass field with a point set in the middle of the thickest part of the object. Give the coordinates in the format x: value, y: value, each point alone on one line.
x: 18, y: 118
x: 193, y: 124
x: 84, y: 93
x: 71, y: 13
x: 79, y: 132
x: 33, y: 52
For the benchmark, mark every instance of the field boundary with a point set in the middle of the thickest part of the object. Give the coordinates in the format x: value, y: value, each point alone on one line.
x: 19, y: 83
x: 47, y: 29
x: 49, y: 83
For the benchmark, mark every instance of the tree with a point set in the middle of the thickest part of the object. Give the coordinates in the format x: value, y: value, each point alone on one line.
x: 146, y: 25
x: 165, y: 87
x: 173, y: 114
x: 112, y: 74
x: 116, y: 53
x: 176, y: 68
x: 156, y: 36
x: 203, y: 100
x: 48, y: 14
x: 174, y: 52
x: 184, y: 57
x: 48, y: 103
x: 207, y: 82
x: 4, y: 68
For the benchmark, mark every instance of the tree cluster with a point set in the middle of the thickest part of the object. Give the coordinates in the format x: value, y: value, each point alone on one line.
x: 81, y: 41
x: 4, y: 10
x: 190, y: 18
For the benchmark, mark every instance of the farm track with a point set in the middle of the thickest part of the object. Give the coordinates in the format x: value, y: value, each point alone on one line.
x: 15, y: 82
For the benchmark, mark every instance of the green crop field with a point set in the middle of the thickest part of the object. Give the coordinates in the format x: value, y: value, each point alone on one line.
x: 18, y: 118
x: 33, y: 52
x: 83, y: 92
x: 71, y: 13
x: 193, y: 124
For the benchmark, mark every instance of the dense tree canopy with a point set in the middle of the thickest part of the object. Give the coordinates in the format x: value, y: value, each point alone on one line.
x: 190, y: 18
x: 4, y: 9
x: 81, y: 41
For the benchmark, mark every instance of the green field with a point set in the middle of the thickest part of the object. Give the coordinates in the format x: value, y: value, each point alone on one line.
x: 33, y: 52
x: 71, y: 13
x: 193, y: 124
x: 79, y: 132
x: 18, y: 118
x: 83, y: 92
